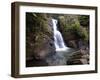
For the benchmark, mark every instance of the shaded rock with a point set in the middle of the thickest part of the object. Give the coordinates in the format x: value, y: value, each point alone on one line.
x: 80, y: 57
x: 42, y: 46
x: 39, y: 36
x: 73, y: 44
x: 36, y: 63
x: 74, y: 62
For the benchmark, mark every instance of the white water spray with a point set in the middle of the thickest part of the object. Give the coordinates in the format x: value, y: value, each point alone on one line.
x: 58, y: 39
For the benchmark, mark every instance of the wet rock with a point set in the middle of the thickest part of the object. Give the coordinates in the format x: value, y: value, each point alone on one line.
x: 80, y: 57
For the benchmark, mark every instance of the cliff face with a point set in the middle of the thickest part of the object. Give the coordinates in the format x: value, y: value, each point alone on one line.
x: 39, y: 36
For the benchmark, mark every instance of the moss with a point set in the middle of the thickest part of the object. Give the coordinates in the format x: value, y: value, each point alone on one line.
x: 69, y: 25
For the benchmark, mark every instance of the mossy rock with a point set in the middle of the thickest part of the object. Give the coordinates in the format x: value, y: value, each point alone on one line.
x: 69, y: 26
x: 39, y: 35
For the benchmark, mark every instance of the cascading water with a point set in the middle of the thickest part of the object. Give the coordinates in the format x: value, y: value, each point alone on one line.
x: 58, y: 39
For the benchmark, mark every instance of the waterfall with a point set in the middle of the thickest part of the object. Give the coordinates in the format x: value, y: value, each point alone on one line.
x: 58, y: 39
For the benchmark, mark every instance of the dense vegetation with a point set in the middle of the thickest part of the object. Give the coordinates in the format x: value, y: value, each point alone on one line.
x: 70, y: 25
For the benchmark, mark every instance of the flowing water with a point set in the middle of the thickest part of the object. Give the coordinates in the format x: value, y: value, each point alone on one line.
x: 62, y: 50
x: 58, y: 39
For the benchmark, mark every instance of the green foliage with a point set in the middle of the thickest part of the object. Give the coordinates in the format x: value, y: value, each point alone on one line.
x: 72, y: 28
x: 37, y: 22
x: 84, y: 34
x: 84, y: 20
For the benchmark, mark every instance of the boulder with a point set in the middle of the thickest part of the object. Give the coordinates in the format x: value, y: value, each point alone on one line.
x: 80, y: 57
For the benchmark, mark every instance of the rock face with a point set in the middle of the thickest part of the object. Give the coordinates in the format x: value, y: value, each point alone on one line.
x: 39, y: 36
x: 44, y: 47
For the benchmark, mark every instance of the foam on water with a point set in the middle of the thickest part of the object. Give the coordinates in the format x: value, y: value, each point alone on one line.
x: 58, y: 39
